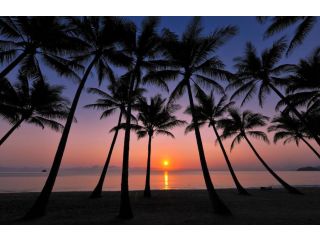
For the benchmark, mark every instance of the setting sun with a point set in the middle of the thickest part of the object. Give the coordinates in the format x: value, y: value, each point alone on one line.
x: 165, y: 163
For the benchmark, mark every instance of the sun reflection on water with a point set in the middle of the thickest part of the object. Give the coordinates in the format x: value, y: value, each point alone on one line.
x: 166, y: 180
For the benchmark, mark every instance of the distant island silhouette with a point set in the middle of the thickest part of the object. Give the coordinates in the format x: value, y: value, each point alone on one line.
x: 309, y: 169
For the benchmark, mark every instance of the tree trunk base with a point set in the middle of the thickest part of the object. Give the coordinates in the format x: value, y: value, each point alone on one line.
x: 95, y: 194
x: 125, y: 211
x: 243, y: 192
x: 218, y: 206
x: 147, y: 193
x: 34, y: 213
x: 293, y: 190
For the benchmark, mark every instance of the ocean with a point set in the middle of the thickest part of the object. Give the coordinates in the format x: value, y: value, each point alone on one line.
x: 163, y: 180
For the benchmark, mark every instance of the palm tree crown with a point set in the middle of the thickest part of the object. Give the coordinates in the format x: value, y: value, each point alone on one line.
x: 241, y: 124
x: 287, y: 127
x: 100, y: 38
x: 156, y: 117
x: 40, y: 104
x: 259, y: 73
x: 304, y: 82
x: 193, y: 57
x: 27, y: 40
x: 115, y: 99
x: 208, y: 109
x: 278, y: 24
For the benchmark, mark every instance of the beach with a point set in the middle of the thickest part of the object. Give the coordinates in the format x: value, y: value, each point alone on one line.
x: 275, y: 206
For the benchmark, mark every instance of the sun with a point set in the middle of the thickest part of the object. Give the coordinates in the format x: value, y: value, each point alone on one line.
x: 165, y: 163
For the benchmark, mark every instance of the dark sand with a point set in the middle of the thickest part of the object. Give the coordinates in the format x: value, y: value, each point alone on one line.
x: 169, y: 207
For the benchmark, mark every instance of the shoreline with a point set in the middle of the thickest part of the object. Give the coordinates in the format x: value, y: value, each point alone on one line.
x: 277, y: 187
x: 168, y: 207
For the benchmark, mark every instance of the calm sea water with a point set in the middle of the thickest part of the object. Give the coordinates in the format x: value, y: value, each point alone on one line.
x: 33, y: 182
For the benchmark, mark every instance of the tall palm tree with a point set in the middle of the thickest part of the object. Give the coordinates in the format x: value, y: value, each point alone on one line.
x: 39, y: 104
x: 241, y: 126
x: 27, y: 40
x: 193, y: 57
x: 109, y: 103
x: 262, y: 74
x: 305, y: 24
x: 143, y: 46
x: 208, y: 112
x: 289, y: 128
x: 99, y: 37
x: 155, y: 117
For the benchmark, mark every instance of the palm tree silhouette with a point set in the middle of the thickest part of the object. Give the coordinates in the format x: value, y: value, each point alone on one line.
x: 98, y: 36
x: 192, y: 57
x: 303, y: 86
x: 109, y: 103
x: 155, y: 118
x: 31, y: 40
x: 289, y: 128
x: 262, y: 74
x: 279, y: 24
x: 143, y: 47
x: 240, y: 126
x: 39, y: 104
x: 208, y: 112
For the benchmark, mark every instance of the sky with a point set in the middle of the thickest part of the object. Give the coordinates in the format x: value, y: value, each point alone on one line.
x: 89, y: 138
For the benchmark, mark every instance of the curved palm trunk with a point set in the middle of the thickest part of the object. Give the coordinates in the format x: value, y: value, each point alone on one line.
x: 288, y: 187
x: 39, y: 207
x: 311, y: 129
x: 147, y: 191
x: 240, y: 189
x: 96, y: 193
x: 218, y: 205
x: 13, y: 64
x: 309, y: 145
x: 15, y: 126
x: 125, y: 211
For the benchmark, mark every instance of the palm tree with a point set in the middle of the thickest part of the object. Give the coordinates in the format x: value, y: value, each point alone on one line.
x: 193, y: 57
x: 262, y: 74
x: 117, y: 99
x: 279, y: 24
x: 99, y: 36
x: 143, y: 47
x: 27, y: 40
x: 155, y: 118
x: 289, y: 128
x: 208, y: 112
x: 39, y: 104
x: 241, y: 126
